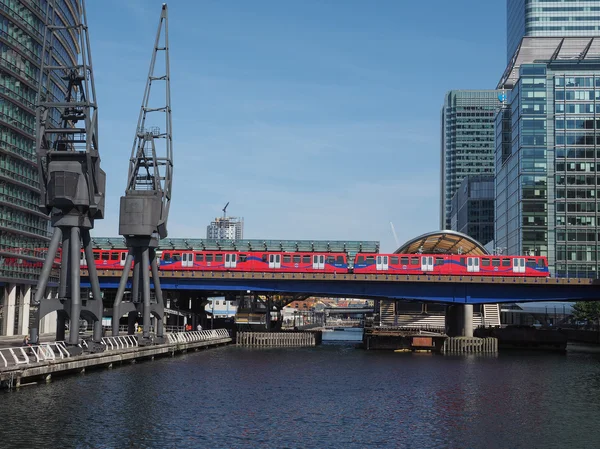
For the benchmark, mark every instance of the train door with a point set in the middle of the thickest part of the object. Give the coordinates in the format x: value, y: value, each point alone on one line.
x: 274, y: 260
x: 473, y: 264
x: 426, y: 263
x: 318, y: 262
x: 187, y: 260
x: 122, y: 258
x: 82, y: 261
x: 382, y: 263
x: 230, y: 260
x: 519, y: 265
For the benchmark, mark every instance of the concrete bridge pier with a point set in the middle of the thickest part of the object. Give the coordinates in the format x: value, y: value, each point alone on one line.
x: 459, y: 320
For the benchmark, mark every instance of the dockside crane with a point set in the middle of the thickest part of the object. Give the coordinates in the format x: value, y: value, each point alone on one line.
x: 72, y: 184
x: 144, y: 208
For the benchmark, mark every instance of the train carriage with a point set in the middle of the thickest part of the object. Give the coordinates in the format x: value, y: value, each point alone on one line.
x: 452, y: 265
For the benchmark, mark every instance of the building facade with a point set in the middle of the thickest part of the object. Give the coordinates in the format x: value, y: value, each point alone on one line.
x: 473, y: 208
x: 24, y: 230
x: 536, y: 18
x: 226, y: 228
x: 467, y: 142
x: 548, y: 157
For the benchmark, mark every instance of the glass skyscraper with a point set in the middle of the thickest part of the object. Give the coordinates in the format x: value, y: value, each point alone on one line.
x: 547, y: 158
x: 23, y: 228
x: 467, y: 142
x: 549, y: 18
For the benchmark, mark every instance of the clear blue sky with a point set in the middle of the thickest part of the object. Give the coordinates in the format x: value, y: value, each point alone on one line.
x: 315, y: 119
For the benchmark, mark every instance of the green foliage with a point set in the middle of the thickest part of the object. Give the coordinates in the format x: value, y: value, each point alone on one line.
x: 586, y: 310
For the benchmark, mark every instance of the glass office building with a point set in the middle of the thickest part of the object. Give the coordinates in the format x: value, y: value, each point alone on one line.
x: 473, y: 208
x: 24, y: 230
x: 548, y: 159
x: 564, y: 18
x: 467, y: 142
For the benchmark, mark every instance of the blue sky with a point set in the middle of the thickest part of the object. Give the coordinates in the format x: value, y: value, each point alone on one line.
x: 315, y: 119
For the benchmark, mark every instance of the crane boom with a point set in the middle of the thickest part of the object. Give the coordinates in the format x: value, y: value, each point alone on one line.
x: 395, y: 235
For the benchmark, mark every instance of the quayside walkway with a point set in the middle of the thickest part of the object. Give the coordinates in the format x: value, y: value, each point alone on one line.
x: 38, y: 363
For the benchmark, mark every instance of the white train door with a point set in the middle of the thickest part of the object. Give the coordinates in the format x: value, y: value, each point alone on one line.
x: 82, y: 261
x: 426, y: 263
x: 318, y: 262
x: 124, y: 257
x: 274, y: 260
x: 230, y: 260
x: 382, y: 263
x: 519, y: 265
x: 473, y: 264
x: 187, y: 260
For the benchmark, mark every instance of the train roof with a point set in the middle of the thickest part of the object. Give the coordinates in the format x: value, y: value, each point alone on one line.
x: 333, y: 246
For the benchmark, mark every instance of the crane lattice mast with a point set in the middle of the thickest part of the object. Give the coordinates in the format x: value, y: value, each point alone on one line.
x: 145, y: 206
x: 72, y: 184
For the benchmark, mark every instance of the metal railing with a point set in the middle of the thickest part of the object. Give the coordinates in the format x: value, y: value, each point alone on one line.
x: 194, y: 336
x: 24, y: 355
x: 120, y: 342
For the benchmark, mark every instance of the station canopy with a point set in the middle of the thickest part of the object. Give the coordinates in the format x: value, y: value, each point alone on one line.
x: 333, y: 246
x: 443, y: 242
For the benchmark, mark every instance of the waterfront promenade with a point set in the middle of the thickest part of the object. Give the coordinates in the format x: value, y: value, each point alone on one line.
x: 39, y: 363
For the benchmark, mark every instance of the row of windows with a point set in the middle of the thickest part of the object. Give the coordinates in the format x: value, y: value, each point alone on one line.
x: 578, y: 166
x: 17, y: 143
x: 20, y: 170
x: 576, y: 138
x: 577, y: 194
x: 17, y: 116
x: 588, y: 180
x: 576, y: 221
x: 569, y: 95
x: 577, y: 123
x: 571, y: 108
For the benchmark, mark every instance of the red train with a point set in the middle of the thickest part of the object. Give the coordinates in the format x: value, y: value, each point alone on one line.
x: 302, y: 262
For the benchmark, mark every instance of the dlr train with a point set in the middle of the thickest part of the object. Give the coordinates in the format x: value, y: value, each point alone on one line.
x: 340, y: 263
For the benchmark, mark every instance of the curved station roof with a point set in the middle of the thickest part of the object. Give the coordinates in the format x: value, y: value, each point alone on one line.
x: 443, y: 242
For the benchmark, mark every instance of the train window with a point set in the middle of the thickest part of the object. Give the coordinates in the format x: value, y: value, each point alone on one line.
x: 218, y: 257
x: 495, y: 262
x: 394, y: 260
x: 96, y: 256
x: 485, y: 262
x: 530, y: 263
x: 370, y: 259
x: 297, y: 259
x: 176, y: 257
x: 506, y: 262
x: 167, y: 257
x: 439, y: 260
x: 105, y: 255
x: 114, y: 256
x: 243, y: 257
x: 541, y: 263
x: 414, y: 261
x: 209, y: 257
x: 287, y: 259
x: 360, y: 259
x: 330, y: 260
x: 463, y: 261
x: 404, y: 260
x: 305, y: 259
x: 264, y: 257
x: 199, y: 257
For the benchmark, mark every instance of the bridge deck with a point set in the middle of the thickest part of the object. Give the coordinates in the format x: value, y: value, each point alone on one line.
x: 359, y: 277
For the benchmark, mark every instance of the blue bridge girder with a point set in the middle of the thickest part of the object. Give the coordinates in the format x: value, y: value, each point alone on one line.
x: 442, y: 289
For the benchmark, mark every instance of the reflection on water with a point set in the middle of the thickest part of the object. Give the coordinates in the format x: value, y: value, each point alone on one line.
x: 332, y: 396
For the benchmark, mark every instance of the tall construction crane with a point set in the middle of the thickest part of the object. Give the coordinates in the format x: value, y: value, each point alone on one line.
x: 145, y: 207
x: 72, y: 184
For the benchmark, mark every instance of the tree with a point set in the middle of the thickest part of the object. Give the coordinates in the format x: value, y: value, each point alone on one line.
x: 587, y: 311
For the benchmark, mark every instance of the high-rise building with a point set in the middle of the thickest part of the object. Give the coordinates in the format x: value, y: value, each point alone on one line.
x: 547, y: 153
x: 23, y: 228
x: 473, y: 208
x: 467, y: 141
x: 563, y: 18
x: 226, y: 228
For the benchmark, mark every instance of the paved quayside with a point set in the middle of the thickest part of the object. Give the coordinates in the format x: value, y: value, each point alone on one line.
x: 20, y: 365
